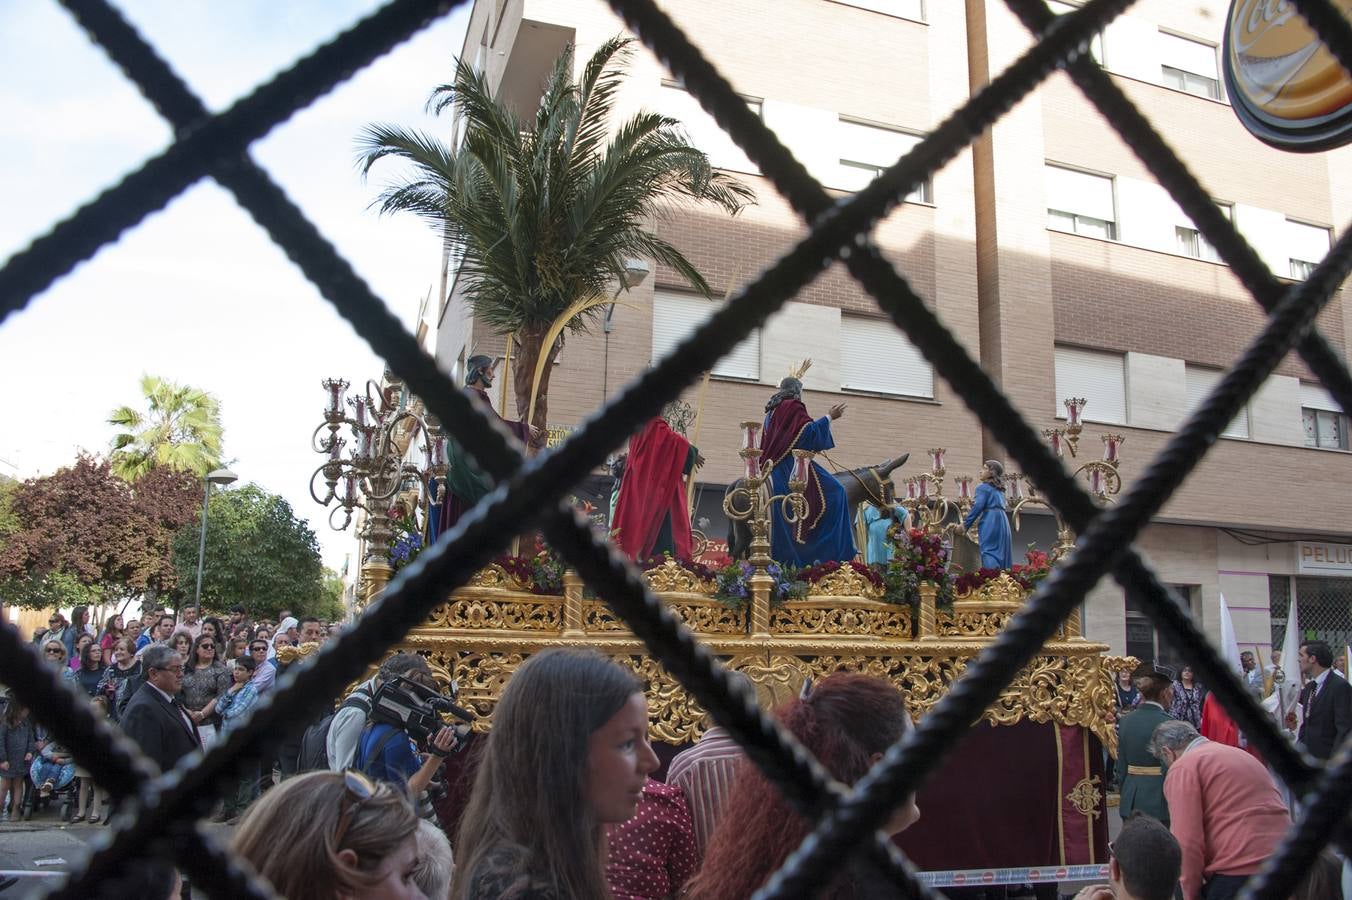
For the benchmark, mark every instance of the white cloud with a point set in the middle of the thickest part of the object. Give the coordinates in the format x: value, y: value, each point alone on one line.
x: 198, y: 292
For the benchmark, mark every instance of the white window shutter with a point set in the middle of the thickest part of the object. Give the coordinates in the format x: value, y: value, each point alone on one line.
x: 1080, y: 193
x: 1190, y: 56
x: 1313, y: 396
x: 1100, y: 378
x: 1308, y: 243
x: 1200, y: 383
x: 677, y: 315
x: 876, y: 356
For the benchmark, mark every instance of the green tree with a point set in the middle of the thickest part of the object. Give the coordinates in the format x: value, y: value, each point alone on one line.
x: 259, y: 554
x: 179, y: 430
x: 544, y: 214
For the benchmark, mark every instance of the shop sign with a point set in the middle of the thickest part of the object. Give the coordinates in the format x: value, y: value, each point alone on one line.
x: 1284, y: 85
x: 1321, y: 558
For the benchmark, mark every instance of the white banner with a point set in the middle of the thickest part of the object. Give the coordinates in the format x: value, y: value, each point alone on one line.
x: 1321, y: 558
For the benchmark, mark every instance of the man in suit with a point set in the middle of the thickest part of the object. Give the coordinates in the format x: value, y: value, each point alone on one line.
x: 154, y: 719
x: 1138, y: 772
x: 1326, y: 701
x: 1227, y: 814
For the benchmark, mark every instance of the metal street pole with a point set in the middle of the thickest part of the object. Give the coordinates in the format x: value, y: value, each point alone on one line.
x: 221, y: 477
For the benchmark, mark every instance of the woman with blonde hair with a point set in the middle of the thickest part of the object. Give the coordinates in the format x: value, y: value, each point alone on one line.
x: 329, y: 835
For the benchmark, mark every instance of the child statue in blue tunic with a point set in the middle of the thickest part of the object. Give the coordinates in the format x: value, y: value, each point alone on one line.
x: 988, y: 509
x: 879, y: 517
x: 825, y: 534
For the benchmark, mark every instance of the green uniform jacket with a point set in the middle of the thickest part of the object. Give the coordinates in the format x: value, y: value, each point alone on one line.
x: 1143, y: 792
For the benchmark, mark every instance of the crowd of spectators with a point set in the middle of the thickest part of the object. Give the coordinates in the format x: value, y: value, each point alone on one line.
x: 565, y: 798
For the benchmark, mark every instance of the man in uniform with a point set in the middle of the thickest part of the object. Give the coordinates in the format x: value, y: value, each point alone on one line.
x: 1138, y: 771
x: 466, y: 483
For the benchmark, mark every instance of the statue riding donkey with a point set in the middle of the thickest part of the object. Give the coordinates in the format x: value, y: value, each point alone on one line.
x: 826, y: 532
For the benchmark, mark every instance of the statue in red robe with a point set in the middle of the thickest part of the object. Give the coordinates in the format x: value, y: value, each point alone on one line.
x: 466, y: 483
x: 651, y: 516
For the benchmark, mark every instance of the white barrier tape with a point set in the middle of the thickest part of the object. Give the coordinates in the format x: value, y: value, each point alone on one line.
x: 1025, y: 875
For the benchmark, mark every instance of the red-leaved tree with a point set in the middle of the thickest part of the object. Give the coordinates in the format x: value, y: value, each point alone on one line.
x: 83, y: 535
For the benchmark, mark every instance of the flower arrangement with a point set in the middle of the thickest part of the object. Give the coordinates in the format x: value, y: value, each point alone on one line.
x: 1036, y: 566
x: 920, y: 557
x: 408, y: 543
x: 541, y: 573
x: 734, y: 584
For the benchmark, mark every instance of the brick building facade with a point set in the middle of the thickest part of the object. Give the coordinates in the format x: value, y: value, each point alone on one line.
x: 1047, y: 247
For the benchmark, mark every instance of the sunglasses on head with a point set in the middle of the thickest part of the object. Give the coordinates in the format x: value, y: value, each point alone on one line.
x: 357, y: 789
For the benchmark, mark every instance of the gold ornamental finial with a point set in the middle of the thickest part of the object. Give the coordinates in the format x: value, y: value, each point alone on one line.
x: 800, y: 370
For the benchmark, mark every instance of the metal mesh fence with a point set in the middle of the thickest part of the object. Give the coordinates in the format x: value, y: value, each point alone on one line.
x: 1323, y: 605
x: 159, y: 813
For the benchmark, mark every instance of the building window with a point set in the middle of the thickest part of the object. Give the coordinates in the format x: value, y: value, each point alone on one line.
x: 866, y: 150
x: 1095, y: 43
x: 1191, y: 242
x: 1189, y: 66
x: 902, y: 9
x: 1306, y: 247
x: 1099, y: 377
x: 1143, y: 640
x: 676, y: 316
x: 1080, y: 203
x: 1200, y: 383
x: 875, y: 356
x: 1325, y: 423
x: 703, y: 132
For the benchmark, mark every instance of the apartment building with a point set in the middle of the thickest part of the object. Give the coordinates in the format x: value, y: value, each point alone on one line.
x: 1047, y: 247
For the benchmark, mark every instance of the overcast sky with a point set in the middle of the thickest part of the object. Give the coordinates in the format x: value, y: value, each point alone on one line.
x: 198, y: 293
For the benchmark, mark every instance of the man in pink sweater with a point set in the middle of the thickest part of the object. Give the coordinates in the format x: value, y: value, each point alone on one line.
x: 1224, y: 810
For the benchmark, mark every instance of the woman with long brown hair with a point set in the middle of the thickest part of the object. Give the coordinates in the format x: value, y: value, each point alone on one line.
x: 847, y: 721
x: 568, y: 755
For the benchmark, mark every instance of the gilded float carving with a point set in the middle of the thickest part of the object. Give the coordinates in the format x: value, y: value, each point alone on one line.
x: 495, y: 576
x: 862, y: 618
x: 483, y: 633
x: 671, y: 578
x: 846, y: 582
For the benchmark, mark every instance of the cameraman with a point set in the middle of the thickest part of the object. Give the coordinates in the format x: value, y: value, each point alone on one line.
x: 387, y: 753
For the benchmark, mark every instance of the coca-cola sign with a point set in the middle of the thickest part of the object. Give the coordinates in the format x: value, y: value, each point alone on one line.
x: 1285, y: 86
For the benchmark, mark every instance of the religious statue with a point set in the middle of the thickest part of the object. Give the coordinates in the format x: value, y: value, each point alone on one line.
x: 825, y: 533
x: 651, y: 516
x: 988, y: 514
x: 878, y: 517
x: 465, y: 482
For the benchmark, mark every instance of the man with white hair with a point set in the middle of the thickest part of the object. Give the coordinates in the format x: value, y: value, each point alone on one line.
x: 1224, y: 810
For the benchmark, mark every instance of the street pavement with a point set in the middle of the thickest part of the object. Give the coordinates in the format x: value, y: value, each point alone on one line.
x: 40, y: 850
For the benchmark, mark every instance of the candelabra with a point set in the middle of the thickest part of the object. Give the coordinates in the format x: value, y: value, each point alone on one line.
x: 927, y: 507
x: 384, y: 425
x: 751, y: 502
x: 1101, y: 474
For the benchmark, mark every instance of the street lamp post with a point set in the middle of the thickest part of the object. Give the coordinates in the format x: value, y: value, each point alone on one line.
x: 221, y: 477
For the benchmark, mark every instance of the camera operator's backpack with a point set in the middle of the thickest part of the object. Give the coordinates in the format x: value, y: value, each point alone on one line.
x: 314, y: 744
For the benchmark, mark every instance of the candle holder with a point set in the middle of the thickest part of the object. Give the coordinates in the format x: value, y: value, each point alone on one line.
x: 384, y: 425
x: 751, y: 502
x: 1101, y: 476
x: 925, y: 502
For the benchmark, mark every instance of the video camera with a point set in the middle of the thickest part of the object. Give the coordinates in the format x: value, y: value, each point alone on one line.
x: 415, y: 708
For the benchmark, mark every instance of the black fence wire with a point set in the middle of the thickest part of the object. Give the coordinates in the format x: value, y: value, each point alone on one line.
x: 159, y: 815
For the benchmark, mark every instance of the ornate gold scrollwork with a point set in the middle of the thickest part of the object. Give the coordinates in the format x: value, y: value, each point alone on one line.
x: 846, y: 582
x: 865, y: 619
x: 495, y: 576
x: 671, y: 578
x: 482, y: 634
x: 1086, y: 797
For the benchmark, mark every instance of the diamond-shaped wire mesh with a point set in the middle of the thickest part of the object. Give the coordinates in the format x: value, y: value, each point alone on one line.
x: 160, y: 811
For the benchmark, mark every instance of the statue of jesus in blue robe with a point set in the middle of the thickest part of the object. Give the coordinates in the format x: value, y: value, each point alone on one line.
x: 825, y: 534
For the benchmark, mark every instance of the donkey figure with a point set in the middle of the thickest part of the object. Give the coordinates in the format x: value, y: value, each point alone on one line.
x: 863, y: 485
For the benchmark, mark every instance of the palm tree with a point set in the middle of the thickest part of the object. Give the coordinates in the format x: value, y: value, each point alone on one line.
x: 543, y: 217
x: 181, y: 429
